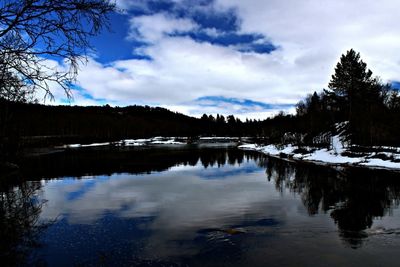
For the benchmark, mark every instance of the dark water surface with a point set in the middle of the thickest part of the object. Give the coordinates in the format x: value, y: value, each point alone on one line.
x: 195, y: 207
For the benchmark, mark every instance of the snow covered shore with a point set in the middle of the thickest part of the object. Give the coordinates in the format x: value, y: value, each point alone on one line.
x: 339, y: 152
x: 162, y: 141
x: 336, y: 155
x: 135, y: 142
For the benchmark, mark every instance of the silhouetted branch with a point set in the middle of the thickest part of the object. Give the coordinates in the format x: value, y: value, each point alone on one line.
x: 43, y: 42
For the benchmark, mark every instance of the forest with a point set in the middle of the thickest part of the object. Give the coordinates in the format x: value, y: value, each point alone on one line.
x: 371, y: 108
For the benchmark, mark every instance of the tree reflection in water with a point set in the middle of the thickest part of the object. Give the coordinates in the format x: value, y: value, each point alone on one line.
x: 353, y: 196
x: 19, y: 215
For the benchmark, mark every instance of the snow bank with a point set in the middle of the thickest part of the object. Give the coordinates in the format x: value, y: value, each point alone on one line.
x: 167, y: 142
x: 250, y: 147
x: 87, y: 145
x: 334, y: 156
x: 134, y: 142
x: 381, y: 163
x: 331, y: 156
x: 218, y: 138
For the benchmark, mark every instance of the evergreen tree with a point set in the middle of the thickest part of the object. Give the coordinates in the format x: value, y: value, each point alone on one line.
x: 350, y: 79
x: 358, y: 96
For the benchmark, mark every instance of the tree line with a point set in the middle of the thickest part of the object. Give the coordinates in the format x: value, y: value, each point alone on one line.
x: 32, y: 124
x: 370, y: 107
x: 34, y: 34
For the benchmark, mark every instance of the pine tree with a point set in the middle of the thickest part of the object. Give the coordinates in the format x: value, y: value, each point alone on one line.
x: 357, y: 94
x: 351, y: 79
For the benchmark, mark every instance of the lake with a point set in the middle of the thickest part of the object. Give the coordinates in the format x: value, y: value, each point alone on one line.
x: 191, y: 206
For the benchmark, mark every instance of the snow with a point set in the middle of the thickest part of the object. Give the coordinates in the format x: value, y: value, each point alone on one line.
x: 134, y: 142
x: 329, y: 156
x: 167, y: 142
x: 218, y: 138
x: 87, y: 145
x: 381, y: 163
x: 337, y: 144
x: 271, y: 150
x: 158, y: 140
x: 250, y: 147
x: 288, y: 149
x: 334, y: 155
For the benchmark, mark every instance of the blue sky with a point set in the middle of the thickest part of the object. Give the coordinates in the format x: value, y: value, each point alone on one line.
x: 248, y: 58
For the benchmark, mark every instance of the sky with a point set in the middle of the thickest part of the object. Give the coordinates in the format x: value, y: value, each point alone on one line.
x: 249, y: 58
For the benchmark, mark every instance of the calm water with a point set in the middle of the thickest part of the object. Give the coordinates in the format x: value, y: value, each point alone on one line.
x: 196, y: 207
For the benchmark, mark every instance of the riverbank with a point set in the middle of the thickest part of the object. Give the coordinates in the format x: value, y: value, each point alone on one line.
x: 336, y: 155
x: 339, y: 153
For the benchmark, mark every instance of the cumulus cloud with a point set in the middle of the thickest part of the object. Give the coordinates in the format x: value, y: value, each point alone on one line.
x: 309, y: 37
x: 313, y: 34
x: 183, y: 70
x: 155, y: 27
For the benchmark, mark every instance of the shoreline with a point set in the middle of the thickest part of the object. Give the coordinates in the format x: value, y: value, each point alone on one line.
x: 339, y: 161
x: 339, y: 155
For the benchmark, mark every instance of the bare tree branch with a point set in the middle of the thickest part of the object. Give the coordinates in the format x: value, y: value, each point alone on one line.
x: 34, y: 32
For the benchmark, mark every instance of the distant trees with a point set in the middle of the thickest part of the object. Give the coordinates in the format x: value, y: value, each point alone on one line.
x: 314, y: 113
x: 222, y: 126
x: 40, y: 125
x: 37, y: 35
x: 371, y: 107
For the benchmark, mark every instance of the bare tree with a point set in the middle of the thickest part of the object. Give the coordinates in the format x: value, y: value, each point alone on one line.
x: 34, y: 34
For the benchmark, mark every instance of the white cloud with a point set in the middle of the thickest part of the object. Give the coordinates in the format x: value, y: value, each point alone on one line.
x: 125, y: 5
x: 311, y: 35
x: 155, y: 27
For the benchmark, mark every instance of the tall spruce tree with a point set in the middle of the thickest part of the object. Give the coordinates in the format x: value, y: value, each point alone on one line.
x: 358, y: 96
x: 351, y: 79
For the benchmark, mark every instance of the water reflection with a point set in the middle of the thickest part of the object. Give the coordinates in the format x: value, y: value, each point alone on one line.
x: 19, y: 215
x: 107, y: 161
x: 211, y: 207
x: 353, y: 197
